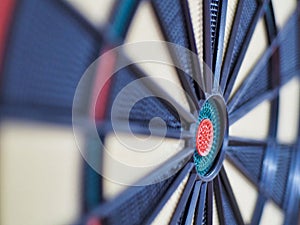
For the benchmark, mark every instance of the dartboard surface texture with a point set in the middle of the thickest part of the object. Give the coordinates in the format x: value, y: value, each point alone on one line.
x: 149, y: 112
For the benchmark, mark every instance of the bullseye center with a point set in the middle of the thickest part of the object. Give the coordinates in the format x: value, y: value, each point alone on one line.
x: 204, y: 137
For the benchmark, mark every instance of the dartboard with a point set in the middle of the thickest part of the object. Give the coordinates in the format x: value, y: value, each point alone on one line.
x: 149, y: 112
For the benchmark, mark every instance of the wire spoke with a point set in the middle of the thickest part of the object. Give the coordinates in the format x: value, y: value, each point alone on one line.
x: 193, y: 203
x: 208, y: 214
x: 228, y: 194
x: 142, y: 128
x: 199, y: 216
x: 245, y: 142
x: 246, y: 19
x: 149, y: 195
x: 247, y: 156
x: 218, y: 190
x: 181, y: 206
x: 218, y: 50
x: 208, y: 42
x: 293, y: 202
x: 145, y: 101
x: 80, y: 18
x: 262, y: 87
x: 197, y: 76
x: 170, y: 15
x: 279, y: 180
x: 176, y: 183
x: 259, y: 206
x: 169, y: 167
x: 158, y: 91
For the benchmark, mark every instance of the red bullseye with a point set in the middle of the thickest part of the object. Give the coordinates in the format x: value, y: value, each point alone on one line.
x: 204, y: 137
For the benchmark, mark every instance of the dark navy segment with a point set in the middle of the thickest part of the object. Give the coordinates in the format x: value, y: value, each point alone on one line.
x: 292, y: 197
x: 143, y: 108
x: 171, y: 190
x: 170, y: 14
x: 214, y: 15
x: 289, y: 51
x: 50, y: 48
x: 282, y: 174
x: 249, y: 9
x: 180, y: 211
x: 248, y: 159
x: 231, y: 210
x: 250, y: 90
x: 225, y: 213
x: 245, y: 20
x: 193, y: 47
x: 257, y: 87
x: 200, y: 213
x: 134, y: 206
x: 208, y: 210
x: 147, y: 108
x: 219, y: 43
x: 193, y: 203
x: 140, y: 128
